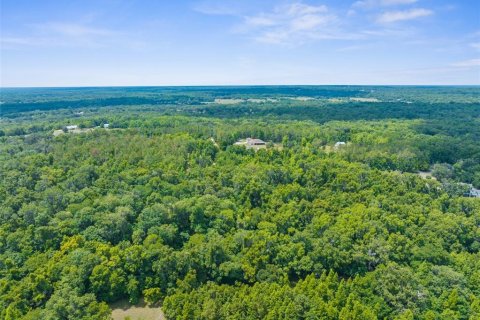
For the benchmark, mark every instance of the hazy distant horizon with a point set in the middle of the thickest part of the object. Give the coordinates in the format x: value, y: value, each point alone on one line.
x: 246, y: 85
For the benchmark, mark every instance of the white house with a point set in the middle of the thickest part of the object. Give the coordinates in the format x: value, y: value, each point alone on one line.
x: 339, y: 144
x: 474, y: 192
x: 251, y: 143
x: 255, y: 143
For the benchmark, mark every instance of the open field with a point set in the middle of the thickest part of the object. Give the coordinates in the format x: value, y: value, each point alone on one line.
x: 122, y: 309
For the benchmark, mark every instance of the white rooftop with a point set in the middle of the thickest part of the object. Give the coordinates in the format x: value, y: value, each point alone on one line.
x: 252, y: 141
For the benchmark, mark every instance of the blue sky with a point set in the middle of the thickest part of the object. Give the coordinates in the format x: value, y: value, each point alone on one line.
x: 224, y: 42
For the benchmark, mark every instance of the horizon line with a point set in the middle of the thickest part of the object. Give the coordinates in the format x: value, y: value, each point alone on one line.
x: 240, y: 85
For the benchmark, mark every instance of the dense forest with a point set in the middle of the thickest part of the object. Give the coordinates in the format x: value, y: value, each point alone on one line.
x: 160, y: 205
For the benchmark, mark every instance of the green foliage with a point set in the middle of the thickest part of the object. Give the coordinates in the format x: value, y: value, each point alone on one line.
x: 153, y: 208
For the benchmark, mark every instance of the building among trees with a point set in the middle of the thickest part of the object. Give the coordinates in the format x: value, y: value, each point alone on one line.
x: 252, y: 143
x: 255, y: 143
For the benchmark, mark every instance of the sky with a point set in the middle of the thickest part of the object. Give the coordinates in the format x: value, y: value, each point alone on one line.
x: 244, y: 42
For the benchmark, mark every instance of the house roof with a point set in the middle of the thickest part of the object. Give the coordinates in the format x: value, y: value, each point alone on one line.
x: 255, y: 141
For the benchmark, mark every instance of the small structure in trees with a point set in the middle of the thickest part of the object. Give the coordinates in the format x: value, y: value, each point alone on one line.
x: 255, y: 143
x: 339, y: 144
x: 71, y: 127
x: 252, y: 143
x: 473, y: 192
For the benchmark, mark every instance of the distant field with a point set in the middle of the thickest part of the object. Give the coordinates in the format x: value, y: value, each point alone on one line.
x: 14, y: 100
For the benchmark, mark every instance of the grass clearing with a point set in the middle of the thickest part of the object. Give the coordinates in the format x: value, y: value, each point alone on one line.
x: 122, y: 310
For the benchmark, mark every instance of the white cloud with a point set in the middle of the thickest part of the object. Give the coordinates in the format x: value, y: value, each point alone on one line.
x: 18, y: 41
x: 475, y: 45
x: 290, y: 24
x: 396, y: 2
x: 368, y: 4
x: 295, y: 9
x: 295, y: 23
x: 395, y: 16
x: 217, y: 8
x: 72, y: 29
x: 308, y: 22
x: 467, y: 63
x: 62, y: 34
x: 349, y: 48
x: 260, y: 21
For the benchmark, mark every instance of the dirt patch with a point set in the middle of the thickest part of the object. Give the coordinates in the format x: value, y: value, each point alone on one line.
x: 122, y: 309
x: 426, y: 175
x: 57, y: 133
x: 81, y: 130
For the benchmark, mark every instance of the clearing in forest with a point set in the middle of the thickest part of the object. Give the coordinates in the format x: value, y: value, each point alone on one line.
x: 122, y: 309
